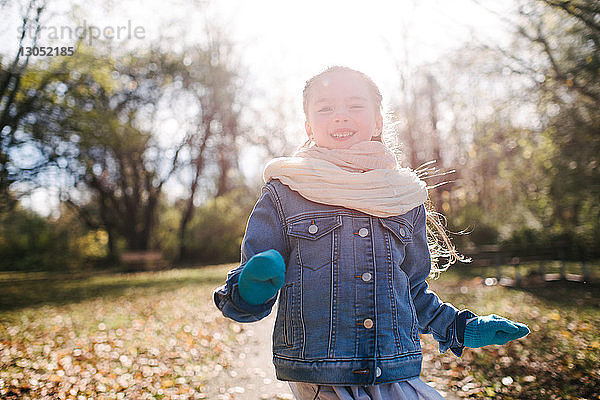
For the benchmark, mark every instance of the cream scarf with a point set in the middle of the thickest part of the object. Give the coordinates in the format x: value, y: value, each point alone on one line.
x: 365, y: 177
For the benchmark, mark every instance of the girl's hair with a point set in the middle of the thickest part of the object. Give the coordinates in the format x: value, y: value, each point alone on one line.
x: 440, y: 245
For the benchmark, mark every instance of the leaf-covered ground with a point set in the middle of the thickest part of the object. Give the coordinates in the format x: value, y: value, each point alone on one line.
x: 158, y: 336
x: 560, y: 359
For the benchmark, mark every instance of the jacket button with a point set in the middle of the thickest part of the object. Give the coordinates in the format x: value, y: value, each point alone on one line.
x: 366, y: 276
x: 402, y: 232
x: 362, y: 232
x: 313, y: 229
x: 378, y: 372
x: 368, y: 323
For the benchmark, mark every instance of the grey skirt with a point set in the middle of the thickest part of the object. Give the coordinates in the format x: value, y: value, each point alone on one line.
x: 413, y: 389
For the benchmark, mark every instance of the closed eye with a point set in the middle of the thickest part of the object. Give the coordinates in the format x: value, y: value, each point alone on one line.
x: 324, y: 109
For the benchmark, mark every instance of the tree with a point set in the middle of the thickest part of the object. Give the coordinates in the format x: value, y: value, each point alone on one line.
x: 98, y: 120
x: 527, y: 119
x: 566, y: 36
x: 95, y: 113
x: 13, y: 109
x: 213, y: 85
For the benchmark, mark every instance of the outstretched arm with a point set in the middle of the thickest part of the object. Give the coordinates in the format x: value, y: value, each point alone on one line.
x: 249, y: 293
x: 442, y: 320
x: 452, y: 328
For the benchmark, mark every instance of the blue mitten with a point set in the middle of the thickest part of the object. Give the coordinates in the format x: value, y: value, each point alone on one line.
x: 262, y: 276
x: 492, y: 329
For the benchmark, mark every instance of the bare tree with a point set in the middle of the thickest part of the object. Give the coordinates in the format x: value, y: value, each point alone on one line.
x: 214, y: 82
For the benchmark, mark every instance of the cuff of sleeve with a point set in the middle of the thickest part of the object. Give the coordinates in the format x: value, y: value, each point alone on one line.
x: 461, y: 322
x: 233, y: 306
x: 242, y: 304
x: 458, y: 331
x: 456, y: 346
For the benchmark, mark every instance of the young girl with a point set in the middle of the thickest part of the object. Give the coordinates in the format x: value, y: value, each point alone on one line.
x: 339, y: 233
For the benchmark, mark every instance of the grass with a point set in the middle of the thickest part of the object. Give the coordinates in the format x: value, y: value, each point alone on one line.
x: 23, y: 290
x: 157, y: 335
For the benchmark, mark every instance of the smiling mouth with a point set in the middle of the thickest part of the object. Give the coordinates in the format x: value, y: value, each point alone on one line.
x: 342, y: 134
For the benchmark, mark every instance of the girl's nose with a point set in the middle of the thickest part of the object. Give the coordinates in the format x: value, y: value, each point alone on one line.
x: 340, y: 117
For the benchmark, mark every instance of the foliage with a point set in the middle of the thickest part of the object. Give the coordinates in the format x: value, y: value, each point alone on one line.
x: 12, y: 109
x: 522, y: 129
x: 569, y: 37
x: 520, y: 124
x: 93, y: 123
x: 31, y: 242
x: 90, y: 115
x: 216, y: 232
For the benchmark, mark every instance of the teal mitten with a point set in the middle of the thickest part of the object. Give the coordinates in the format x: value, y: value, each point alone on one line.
x: 262, y: 276
x: 492, y: 329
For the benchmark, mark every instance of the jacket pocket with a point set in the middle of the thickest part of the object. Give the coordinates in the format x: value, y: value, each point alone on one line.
x: 283, y: 334
x: 406, y: 313
x: 398, y: 235
x: 399, y: 228
x: 316, y: 240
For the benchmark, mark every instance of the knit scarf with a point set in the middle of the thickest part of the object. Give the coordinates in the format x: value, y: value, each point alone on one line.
x: 365, y: 177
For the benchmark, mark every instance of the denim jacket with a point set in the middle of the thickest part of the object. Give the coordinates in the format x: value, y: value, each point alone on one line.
x: 355, y: 296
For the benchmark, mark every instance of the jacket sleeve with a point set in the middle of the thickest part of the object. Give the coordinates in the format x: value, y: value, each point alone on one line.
x: 442, y: 320
x: 263, y: 232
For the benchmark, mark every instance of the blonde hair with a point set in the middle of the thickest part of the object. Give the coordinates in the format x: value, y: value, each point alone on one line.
x: 438, y: 242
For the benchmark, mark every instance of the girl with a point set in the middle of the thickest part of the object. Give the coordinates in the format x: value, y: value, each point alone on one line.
x: 339, y: 233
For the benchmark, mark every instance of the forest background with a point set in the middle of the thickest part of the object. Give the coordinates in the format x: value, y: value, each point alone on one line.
x: 158, y: 144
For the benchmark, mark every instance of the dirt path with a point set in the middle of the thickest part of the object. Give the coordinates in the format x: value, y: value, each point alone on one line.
x: 251, y: 375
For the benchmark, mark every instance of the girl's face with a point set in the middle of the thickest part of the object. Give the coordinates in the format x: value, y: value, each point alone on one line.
x: 341, y: 111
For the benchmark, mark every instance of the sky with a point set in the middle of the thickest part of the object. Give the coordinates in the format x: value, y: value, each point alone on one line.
x: 286, y: 42
x: 283, y: 43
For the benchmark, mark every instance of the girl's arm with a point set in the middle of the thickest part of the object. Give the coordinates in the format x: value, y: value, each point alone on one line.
x: 442, y: 320
x: 453, y: 329
x: 263, y: 232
